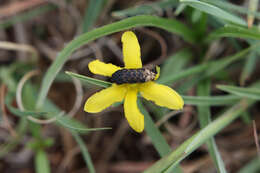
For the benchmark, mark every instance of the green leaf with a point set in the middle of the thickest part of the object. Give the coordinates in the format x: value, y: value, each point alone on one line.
x: 90, y: 80
x: 150, y: 8
x: 232, y: 7
x: 252, y: 93
x: 175, y: 63
x: 125, y: 24
x: 42, y: 164
x: 215, y: 11
x: 26, y: 15
x: 249, y: 67
x: 84, y: 151
x: 253, y: 166
x: 204, y: 115
x: 168, y: 163
x: 153, y: 132
x: 211, y: 100
x: 20, y: 113
x: 70, y: 124
x: 218, y: 65
x: 236, y: 32
x: 91, y: 13
x: 184, y: 73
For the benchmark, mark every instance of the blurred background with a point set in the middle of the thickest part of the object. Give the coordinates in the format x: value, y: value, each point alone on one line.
x: 33, y: 32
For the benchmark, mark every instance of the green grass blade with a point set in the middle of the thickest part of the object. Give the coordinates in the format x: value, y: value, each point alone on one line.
x: 170, y: 161
x: 211, y: 100
x: 175, y: 63
x: 146, y: 9
x: 20, y: 113
x: 84, y: 151
x: 232, y: 7
x: 236, y: 32
x: 216, y: 66
x: 26, y: 16
x: 215, y: 11
x: 249, y: 67
x: 252, y: 93
x: 68, y: 123
x: 91, y: 13
x: 184, y: 73
x: 204, y: 115
x: 128, y: 23
x: 89, y: 80
x: 157, y: 139
x: 253, y: 166
x: 42, y: 164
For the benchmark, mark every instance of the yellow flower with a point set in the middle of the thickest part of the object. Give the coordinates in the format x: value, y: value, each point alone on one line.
x: 162, y: 95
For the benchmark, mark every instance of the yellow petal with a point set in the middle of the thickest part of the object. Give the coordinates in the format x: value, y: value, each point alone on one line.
x: 131, y: 50
x: 158, y: 72
x: 105, y: 98
x: 132, y: 113
x: 162, y: 95
x: 98, y: 67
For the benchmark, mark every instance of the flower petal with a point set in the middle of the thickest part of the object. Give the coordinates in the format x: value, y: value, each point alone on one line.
x: 162, y: 95
x: 158, y: 72
x: 132, y: 113
x: 131, y: 50
x: 105, y: 98
x: 98, y: 67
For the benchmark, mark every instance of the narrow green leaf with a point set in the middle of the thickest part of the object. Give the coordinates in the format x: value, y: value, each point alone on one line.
x: 249, y: 67
x: 252, y: 167
x: 91, y: 13
x: 210, y: 100
x: 216, y: 66
x: 68, y: 123
x: 252, y: 93
x: 84, y: 151
x: 170, y: 161
x: 215, y: 11
x: 125, y: 24
x: 20, y: 113
x: 26, y: 15
x: 182, y: 74
x: 236, y: 32
x: 42, y: 164
x: 232, y: 7
x: 175, y: 63
x: 145, y: 9
x: 90, y: 80
x: 204, y: 115
x: 157, y: 139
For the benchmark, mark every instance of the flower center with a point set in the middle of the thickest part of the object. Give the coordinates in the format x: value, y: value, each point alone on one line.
x: 131, y: 76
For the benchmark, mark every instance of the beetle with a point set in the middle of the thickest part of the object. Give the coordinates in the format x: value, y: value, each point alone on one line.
x: 131, y: 76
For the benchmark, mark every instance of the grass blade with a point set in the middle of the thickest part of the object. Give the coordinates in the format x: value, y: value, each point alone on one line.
x: 89, y: 80
x: 215, y: 11
x: 42, y: 164
x: 146, y: 9
x: 26, y: 15
x: 175, y: 63
x: 170, y: 161
x: 91, y: 14
x: 128, y: 23
x: 84, y: 151
x: 249, y: 67
x: 153, y: 132
x: 204, y: 115
x: 232, y: 7
x: 253, y: 166
x: 236, y: 32
x: 211, y: 100
x: 252, y: 93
